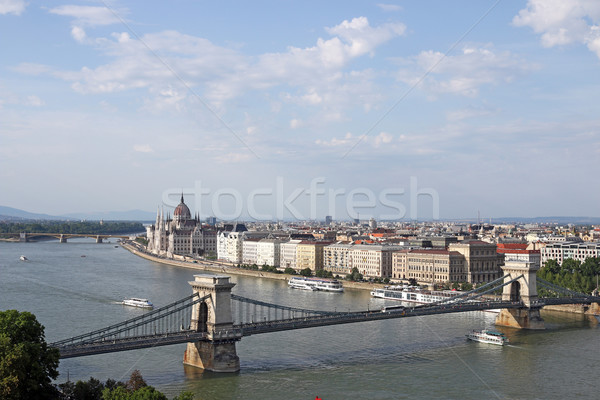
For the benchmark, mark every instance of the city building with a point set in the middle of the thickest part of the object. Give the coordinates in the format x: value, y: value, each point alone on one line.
x: 287, y: 253
x: 562, y: 251
x: 309, y: 254
x: 372, y: 260
x: 428, y: 266
x: 182, y: 235
x: 482, y: 262
x: 336, y: 260
x: 268, y: 252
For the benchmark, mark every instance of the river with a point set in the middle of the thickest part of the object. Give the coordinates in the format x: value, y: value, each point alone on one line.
x: 76, y: 287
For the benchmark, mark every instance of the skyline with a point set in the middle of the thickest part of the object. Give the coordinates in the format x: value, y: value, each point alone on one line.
x: 111, y: 105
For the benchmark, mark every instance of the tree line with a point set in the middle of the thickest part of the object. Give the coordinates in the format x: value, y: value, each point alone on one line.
x: 74, y: 227
x: 572, y: 274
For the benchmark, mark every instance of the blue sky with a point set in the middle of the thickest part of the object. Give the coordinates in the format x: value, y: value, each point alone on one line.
x: 418, y: 108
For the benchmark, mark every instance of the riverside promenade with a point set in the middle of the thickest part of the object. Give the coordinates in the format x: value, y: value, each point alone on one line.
x: 228, y: 268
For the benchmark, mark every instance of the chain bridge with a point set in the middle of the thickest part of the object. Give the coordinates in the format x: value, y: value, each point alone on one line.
x: 213, y: 319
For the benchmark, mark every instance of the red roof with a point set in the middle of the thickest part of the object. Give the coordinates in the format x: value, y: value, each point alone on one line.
x: 515, y: 246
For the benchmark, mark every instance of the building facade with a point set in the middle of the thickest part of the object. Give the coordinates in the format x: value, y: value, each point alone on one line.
x: 181, y: 235
x: 562, y: 251
x: 429, y: 266
x: 482, y: 262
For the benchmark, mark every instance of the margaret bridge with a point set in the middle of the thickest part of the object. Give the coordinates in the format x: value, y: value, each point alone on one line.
x: 213, y: 319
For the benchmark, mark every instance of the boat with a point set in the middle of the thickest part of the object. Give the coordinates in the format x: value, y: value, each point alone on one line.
x: 135, y: 302
x: 487, y: 336
x: 23, y: 258
x: 414, y: 294
x: 314, y: 284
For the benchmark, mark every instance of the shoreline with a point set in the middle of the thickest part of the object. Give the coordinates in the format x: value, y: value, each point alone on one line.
x: 229, y: 268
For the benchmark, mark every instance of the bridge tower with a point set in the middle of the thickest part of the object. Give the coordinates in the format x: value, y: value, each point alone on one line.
x: 524, y: 290
x: 214, y: 317
x: 23, y: 237
x: 62, y: 239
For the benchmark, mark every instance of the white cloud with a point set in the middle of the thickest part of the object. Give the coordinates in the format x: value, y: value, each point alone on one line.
x: 389, y: 7
x: 314, y: 75
x: 89, y: 15
x: 143, y: 148
x: 464, y: 73
x: 296, y: 123
x: 78, y: 34
x: 35, y: 101
x: 382, y: 138
x: 12, y: 6
x: 562, y: 22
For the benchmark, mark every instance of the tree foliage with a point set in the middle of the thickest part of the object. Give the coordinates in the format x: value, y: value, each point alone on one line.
x: 27, y: 364
x: 134, y: 389
x: 354, y: 275
x: 321, y: 273
x: 572, y: 274
x: 75, y: 227
x: 306, y: 272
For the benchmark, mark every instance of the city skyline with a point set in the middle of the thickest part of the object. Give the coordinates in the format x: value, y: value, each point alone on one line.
x: 120, y: 105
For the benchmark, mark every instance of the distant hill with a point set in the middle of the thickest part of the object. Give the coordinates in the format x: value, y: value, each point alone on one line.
x: 131, y: 215
x: 14, y: 214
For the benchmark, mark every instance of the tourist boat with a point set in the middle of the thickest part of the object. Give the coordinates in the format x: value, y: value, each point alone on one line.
x: 487, y: 336
x: 23, y: 258
x: 414, y: 294
x: 135, y: 302
x: 327, y: 285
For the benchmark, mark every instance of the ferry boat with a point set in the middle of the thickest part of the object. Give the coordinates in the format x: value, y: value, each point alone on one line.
x: 487, y: 336
x: 135, y: 302
x: 414, y: 294
x: 327, y: 285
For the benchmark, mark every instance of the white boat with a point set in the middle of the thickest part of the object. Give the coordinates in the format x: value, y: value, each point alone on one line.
x: 135, y: 302
x: 23, y: 258
x: 487, y: 336
x: 414, y: 294
x: 327, y: 285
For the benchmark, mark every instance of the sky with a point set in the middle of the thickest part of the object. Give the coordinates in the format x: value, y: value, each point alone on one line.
x: 301, y: 109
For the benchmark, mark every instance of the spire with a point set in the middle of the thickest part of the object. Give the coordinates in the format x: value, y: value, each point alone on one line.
x: 182, y: 196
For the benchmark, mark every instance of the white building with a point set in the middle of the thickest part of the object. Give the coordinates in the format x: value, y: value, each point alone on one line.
x: 565, y: 250
x: 372, y: 261
x: 249, y: 251
x: 182, y: 235
x: 268, y: 252
x: 287, y: 251
x: 336, y: 260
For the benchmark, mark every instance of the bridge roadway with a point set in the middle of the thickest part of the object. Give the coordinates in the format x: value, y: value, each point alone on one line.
x: 108, y: 345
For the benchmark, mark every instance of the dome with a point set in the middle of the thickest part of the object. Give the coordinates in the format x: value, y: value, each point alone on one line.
x: 182, y: 211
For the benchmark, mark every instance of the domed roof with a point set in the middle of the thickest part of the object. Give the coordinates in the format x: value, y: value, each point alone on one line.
x: 182, y: 211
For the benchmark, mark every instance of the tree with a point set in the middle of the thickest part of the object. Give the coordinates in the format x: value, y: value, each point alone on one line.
x: 354, y: 275
x: 135, y: 381
x: 289, y: 271
x: 27, y: 364
x: 306, y: 272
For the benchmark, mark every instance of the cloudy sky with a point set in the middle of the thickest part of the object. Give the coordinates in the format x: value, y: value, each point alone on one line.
x: 302, y: 108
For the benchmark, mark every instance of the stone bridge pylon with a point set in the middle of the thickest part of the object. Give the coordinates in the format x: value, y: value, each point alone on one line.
x: 525, y: 290
x: 214, y: 317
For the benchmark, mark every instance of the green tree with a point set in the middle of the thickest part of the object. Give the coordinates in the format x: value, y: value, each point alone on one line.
x: 27, y: 364
x: 354, y: 275
x: 289, y: 271
x: 306, y: 272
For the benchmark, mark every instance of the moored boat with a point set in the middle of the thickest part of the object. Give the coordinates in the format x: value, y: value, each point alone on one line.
x: 326, y: 285
x: 488, y: 336
x: 136, y: 302
x: 414, y: 294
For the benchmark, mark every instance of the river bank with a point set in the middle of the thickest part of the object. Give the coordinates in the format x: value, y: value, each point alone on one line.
x: 230, y: 268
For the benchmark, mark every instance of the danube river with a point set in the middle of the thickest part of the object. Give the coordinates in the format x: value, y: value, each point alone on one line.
x: 76, y: 287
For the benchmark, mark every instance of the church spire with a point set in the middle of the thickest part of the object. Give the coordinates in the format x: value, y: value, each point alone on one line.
x: 182, y: 196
